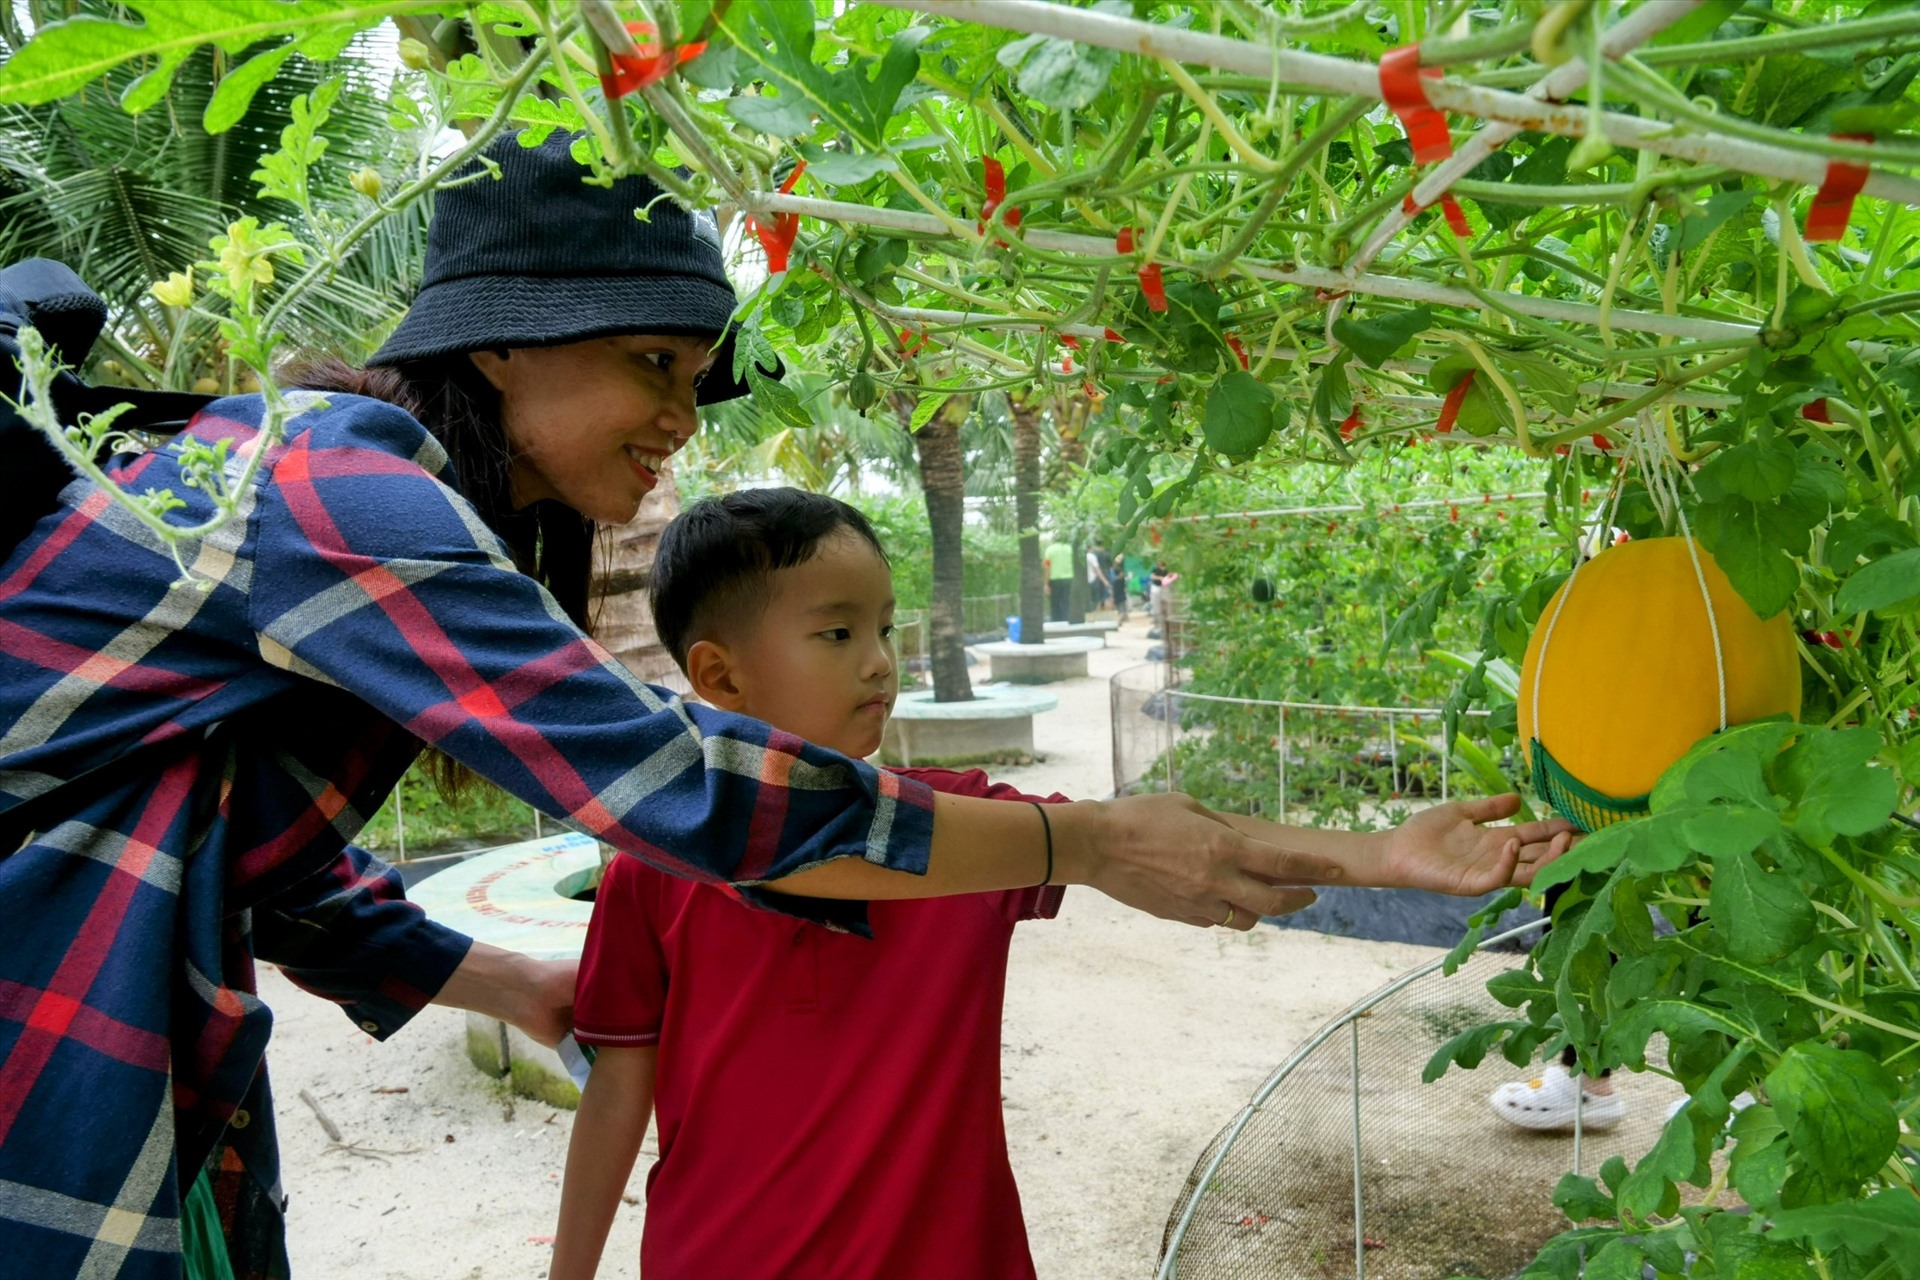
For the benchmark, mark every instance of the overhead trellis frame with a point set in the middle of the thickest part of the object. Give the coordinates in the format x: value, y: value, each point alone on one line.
x: 1398, y: 288
x: 1716, y: 153
x: 1784, y: 156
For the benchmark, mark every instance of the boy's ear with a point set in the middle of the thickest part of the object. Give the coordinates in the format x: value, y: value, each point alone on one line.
x: 711, y: 672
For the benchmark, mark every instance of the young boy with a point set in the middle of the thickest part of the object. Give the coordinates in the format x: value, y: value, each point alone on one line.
x: 828, y: 1104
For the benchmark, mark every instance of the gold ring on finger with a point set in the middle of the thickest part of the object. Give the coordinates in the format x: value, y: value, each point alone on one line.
x: 1231, y: 912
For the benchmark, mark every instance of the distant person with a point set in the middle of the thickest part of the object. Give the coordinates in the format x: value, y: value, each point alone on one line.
x: 1117, y: 579
x: 1059, y: 559
x: 1096, y: 578
x: 1137, y: 578
x: 828, y: 1105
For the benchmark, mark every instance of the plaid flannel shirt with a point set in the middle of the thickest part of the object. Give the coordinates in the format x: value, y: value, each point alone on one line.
x: 356, y: 608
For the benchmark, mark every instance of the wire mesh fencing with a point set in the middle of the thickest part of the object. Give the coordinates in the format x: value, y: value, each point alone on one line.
x: 1344, y: 1164
x: 910, y: 632
x: 1281, y: 760
x: 987, y: 615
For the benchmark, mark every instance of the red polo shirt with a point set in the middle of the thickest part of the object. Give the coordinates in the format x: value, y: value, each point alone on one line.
x: 828, y: 1105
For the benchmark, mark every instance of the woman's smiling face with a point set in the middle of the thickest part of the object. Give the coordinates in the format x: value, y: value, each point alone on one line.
x: 589, y: 423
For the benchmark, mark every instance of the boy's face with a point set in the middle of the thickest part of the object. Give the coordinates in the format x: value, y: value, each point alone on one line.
x: 819, y: 662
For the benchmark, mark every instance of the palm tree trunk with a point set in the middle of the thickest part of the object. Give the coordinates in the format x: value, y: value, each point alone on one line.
x: 1071, y: 412
x: 622, y: 620
x: 1026, y: 506
x: 943, y: 482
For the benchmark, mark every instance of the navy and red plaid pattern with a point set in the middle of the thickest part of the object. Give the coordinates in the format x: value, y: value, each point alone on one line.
x: 357, y: 608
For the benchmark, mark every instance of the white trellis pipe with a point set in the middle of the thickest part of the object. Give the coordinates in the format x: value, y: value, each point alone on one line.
x: 1632, y: 31
x: 932, y: 318
x: 1695, y: 328
x: 1690, y: 327
x: 1362, y: 79
x: 1607, y: 390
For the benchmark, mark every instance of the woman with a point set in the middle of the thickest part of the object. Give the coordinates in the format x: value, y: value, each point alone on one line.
x: 186, y: 763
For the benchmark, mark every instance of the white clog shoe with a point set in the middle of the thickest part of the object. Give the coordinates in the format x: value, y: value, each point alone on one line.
x: 1548, y: 1101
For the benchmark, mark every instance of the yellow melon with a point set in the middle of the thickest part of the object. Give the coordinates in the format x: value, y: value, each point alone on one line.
x: 1628, y: 683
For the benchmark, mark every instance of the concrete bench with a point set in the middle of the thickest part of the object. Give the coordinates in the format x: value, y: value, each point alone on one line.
x: 995, y: 724
x: 1061, y: 659
x: 1099, y: 630
x: 521, y: 897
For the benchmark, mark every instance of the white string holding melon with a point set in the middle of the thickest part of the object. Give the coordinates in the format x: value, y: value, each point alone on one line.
x: 1644, y: 650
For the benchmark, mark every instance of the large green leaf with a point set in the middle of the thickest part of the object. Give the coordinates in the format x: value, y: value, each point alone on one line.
x: 1376, y: 338
x: 1837, y: 1107
x: 1735, y: 529
x: 63, y: 57
x: 1239, y: 415
x: 1886, y: 582
x: 1059, y: 73
x: 1885, y: 1224
x: 1763, y: 914
x: 861, y: 100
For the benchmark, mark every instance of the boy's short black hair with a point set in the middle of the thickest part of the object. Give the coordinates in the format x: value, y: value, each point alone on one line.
x: 712, y: 564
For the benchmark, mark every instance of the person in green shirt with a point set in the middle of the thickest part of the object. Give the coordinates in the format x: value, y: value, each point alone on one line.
x: 1137, y: 575
x: 1059, y: 559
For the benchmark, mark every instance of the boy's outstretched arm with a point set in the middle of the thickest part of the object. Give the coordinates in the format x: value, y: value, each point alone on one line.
x: 1445, y: 848
x: 607, y: 1131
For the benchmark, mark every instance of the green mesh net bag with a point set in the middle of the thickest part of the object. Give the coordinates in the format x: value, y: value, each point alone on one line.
x: 1575, y: 801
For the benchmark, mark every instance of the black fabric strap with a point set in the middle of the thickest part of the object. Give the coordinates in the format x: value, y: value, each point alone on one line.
x: 1047, y: 827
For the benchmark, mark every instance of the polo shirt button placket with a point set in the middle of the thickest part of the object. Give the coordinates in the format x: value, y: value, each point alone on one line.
x: 803, y: 972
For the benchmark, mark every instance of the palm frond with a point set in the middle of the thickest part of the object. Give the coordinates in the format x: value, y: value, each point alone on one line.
x: 127, y: 200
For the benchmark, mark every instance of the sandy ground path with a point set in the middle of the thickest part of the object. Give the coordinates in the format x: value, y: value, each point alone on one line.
x: 1129, y: 1041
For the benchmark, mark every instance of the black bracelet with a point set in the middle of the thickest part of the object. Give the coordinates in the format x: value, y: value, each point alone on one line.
x: 1046, y: 826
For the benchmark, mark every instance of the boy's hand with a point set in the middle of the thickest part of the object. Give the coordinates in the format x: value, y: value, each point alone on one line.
x: 1445, y: 848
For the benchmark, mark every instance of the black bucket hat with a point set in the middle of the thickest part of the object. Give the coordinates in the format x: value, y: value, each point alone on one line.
x: 538, y: 258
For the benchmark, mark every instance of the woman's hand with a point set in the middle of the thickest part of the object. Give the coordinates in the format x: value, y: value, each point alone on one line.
x: 533, y: 995
x: 546, y: 1004
x: 1168, y: 856
x: 1447, y: 850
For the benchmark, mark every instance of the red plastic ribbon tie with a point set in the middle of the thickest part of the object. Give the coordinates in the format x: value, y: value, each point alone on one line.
x: 1114, y: 335
x: 1455, y: 215
x: 1400, y: 77
x: 1234, y: 342
x: 1353, y: 424
x: 1153, y: 287
x: 1816, y: 411
x: 1151, y: 284
x: 1601, y: 442
x: 996, y: 188
x: 1832, y: 206
x: 647, y: 65
x: 908, y: 348
x: 1068, y: 340
x: 1450, y: 408
x: 777, y: 241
